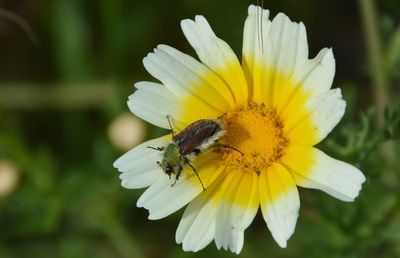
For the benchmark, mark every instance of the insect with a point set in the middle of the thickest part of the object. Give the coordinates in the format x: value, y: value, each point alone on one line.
x: 197, y: 137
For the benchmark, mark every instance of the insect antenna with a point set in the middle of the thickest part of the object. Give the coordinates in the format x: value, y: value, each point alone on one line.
x: 170, y: 125
x: 201, y: 182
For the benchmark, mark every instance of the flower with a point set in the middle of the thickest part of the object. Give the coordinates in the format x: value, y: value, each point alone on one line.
x: 275, y: 106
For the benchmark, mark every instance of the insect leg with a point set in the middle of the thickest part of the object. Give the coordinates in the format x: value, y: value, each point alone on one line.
x: 228, y: 147
x: 221, y: 116
x: 156, y: 148
x: 176, y: 178
x: 196, y: 174
x: 178, y: 175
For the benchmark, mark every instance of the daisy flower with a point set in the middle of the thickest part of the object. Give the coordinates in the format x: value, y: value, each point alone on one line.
x: 274, y: 106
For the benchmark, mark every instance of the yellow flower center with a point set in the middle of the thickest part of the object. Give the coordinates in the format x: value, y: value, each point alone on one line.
x: 257, y: 133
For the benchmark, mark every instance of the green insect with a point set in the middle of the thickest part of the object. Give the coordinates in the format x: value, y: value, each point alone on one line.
x: 196, y: 138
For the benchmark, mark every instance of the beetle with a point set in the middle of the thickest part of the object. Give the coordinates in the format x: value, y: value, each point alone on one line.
x: 197, y: 137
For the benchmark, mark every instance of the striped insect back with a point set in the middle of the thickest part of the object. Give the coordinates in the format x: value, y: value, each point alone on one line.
x: 198, y: 136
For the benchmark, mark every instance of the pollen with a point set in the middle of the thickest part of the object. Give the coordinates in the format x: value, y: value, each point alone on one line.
x: 256, y: 132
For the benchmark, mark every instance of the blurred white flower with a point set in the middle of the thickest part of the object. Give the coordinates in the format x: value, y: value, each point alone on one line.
x: 126, y: 131
x: 9, y: 177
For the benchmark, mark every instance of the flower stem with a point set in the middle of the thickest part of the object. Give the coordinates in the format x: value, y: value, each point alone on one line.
x: 374, y: 51
x: 380, y: 87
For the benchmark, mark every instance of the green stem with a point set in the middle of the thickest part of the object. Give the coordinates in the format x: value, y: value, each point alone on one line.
x: 375, y: 59
x: 380, y: 87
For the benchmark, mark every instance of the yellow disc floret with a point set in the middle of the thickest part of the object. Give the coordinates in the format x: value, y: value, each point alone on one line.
x: 257, y: 132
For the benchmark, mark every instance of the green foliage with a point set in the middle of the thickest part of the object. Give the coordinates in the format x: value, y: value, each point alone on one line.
x: 357, y: 141
x: 392, y: 124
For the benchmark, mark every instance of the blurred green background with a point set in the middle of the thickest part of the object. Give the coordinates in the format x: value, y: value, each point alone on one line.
x: 66, y: 70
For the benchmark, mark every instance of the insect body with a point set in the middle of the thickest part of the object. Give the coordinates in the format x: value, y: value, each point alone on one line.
x: 197, y: 137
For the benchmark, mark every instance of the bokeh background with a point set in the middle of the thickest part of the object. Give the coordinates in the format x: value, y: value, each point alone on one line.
x: 66, y: 70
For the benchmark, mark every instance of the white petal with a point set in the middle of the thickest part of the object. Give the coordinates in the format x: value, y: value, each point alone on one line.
x: 162, y: 199
x: 216, y: 54
x: 316, y: 75
x: 283, y: 51
x: 325, y: 112
x: 287, y: 52
x: 255, y: 27
x: 311, y: 168
x: 280, y: 202
x: 182, y: 74
x: 153, y: 102
x: 255, y: 42
x: 289, y: 44
x: 236, y: 210
x: 137, y: 180
x: 138, y: 166
x: 141, y: 153
x: 197, y: 226
x: 218, y: 92
x: 202, y: 231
